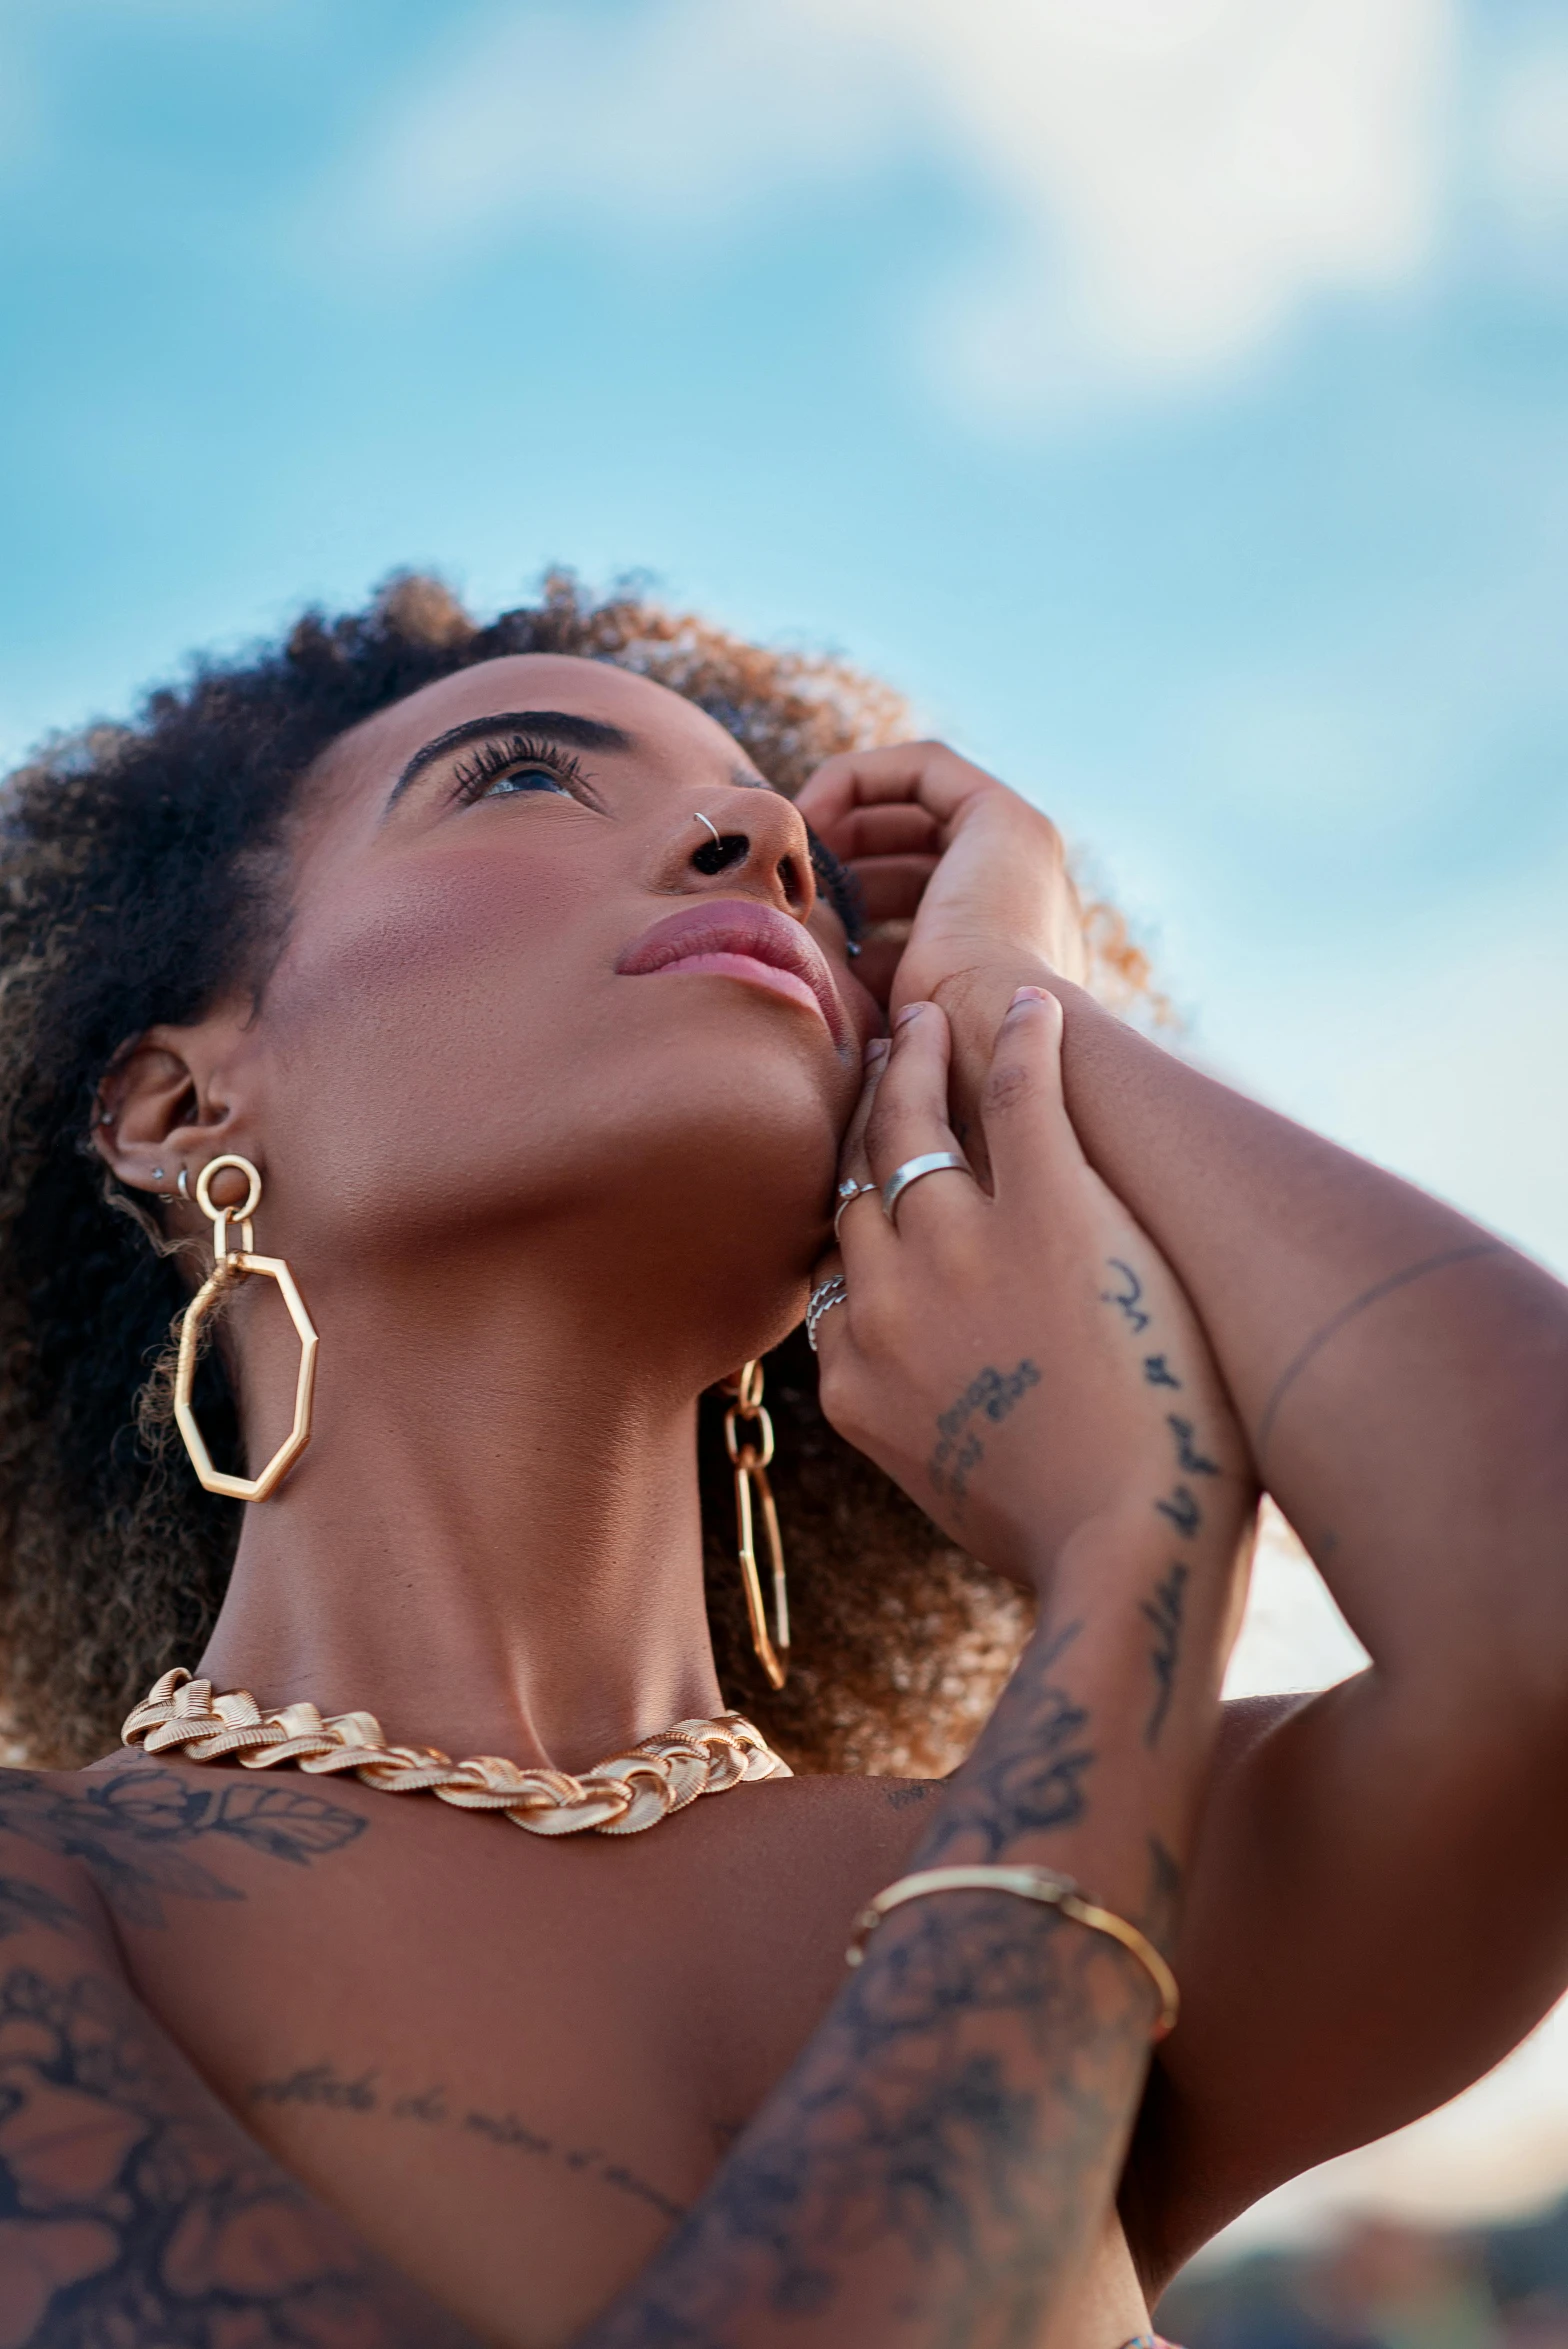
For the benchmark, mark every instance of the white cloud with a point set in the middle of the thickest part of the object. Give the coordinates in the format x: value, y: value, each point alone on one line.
x: 1178, y: 179
x: 1170, y: 180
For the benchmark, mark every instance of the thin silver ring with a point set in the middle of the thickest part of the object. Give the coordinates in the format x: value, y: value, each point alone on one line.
x: 834, y: 1291
x: 183, y: 1186
x: 700, y: 818
x: 913, y: 1170
x: 848, y: 1192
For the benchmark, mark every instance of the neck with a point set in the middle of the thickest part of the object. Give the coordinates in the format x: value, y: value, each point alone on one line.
x: 493, y: 1542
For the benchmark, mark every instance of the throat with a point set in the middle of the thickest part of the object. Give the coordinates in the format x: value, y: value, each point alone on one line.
x: 470, y: 1574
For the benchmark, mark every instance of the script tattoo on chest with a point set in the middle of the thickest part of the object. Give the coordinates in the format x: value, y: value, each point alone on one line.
x: 326, y: 2089
x: 135, y: 1833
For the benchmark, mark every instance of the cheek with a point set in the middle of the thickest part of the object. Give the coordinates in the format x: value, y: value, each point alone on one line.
x: 439, y: 931
x: 400, y: 1001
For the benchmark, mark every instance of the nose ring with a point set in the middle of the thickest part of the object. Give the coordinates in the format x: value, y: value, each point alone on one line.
x: 700, y: 818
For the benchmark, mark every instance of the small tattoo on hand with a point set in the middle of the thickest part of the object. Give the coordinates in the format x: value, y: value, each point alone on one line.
x: 959, y: 1449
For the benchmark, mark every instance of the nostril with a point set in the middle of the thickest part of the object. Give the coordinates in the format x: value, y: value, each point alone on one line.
x: 790, y: 882
x: 717, y: 855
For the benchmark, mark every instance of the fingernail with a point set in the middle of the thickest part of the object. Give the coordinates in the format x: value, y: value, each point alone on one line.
x: 911, y: 1011
x: 1028, y: 995
x: 877, y: 1050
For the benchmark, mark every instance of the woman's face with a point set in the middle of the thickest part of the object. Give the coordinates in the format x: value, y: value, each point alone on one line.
x: 524, y: 991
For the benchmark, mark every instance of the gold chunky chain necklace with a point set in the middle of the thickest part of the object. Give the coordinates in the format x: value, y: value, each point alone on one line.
x: 623, y: 1796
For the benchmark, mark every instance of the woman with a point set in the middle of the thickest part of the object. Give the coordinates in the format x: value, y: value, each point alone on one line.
x: 525, y: 1014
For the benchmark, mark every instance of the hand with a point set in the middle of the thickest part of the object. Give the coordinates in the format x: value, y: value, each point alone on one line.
x: 1021, y: 1360
x: 940, y: 845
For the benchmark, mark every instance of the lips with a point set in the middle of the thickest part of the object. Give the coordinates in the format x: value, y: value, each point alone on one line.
x: 737, y: 938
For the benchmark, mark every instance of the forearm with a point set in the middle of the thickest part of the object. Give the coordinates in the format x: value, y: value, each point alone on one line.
x: 1403, y: 1376
x: 938, y: 2166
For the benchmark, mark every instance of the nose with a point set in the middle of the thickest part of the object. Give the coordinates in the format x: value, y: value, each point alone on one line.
x: 754, y: 839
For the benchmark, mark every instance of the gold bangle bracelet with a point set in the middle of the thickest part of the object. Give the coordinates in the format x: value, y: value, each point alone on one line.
x: 1043, y: 1884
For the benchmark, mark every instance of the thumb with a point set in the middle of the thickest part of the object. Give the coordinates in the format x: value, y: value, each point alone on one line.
x: 1029, y: 1136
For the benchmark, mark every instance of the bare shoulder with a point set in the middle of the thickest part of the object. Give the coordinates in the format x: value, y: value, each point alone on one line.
x: 131, y: 1832
x: 45, y: 1884
x: 880, y: 1817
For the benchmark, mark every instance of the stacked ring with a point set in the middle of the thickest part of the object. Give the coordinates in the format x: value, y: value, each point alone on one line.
x: 848, y: 1192
x: 834, y: 1291
x: 913, y: 1170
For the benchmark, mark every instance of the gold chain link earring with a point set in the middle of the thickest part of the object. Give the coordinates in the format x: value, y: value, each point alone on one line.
x: 227, y: 1268
x: 750, y: 1461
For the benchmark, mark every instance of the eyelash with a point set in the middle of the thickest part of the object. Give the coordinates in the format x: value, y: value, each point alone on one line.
x: 504, y: 756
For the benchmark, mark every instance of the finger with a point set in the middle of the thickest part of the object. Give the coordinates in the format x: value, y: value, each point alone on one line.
x: 927, y: 773
x: 828, y: 1304
x: 891, y: 887
x: 1029, y: 1136
x: 852, y: 1150
x: 893, y: 828
x: 850, y: 1204
x: 909, y: 1116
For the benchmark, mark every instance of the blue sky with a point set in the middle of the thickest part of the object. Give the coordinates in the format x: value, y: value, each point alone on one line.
x: 1171, y: 396
x: 1168, y: 394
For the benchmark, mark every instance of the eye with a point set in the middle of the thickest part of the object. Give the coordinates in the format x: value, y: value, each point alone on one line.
x: 510, y: 767
x: 522, y: 779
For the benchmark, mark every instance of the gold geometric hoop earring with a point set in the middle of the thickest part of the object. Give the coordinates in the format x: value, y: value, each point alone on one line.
x: 227, y: 1267
x: 750, y: 1462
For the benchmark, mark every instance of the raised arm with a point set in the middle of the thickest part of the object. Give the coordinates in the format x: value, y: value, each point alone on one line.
x: 941, y: 2161
x: 1378, y: 1908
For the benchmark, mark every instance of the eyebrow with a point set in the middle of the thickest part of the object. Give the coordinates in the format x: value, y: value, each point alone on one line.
x: 563, y: 726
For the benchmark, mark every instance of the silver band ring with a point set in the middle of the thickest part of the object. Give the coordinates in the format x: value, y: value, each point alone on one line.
x: 834, y: 1291
x: 848, y: 1192
x: 930, y: 1162
x: 700, y: 818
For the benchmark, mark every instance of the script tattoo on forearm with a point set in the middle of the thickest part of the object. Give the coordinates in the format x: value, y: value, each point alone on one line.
x: 1165, y: 1608
x: 1187, y: 1454
x: 134, y: 1831
x: 1183, y: 1511
x: 1164, y: 1611
x: 992, y: 1394
x: 1127, y: 1296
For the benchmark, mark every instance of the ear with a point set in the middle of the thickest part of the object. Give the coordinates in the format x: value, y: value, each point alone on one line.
x: 167, y: 1102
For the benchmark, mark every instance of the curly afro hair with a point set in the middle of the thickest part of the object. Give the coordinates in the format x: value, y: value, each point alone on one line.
x: 141, y: 879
